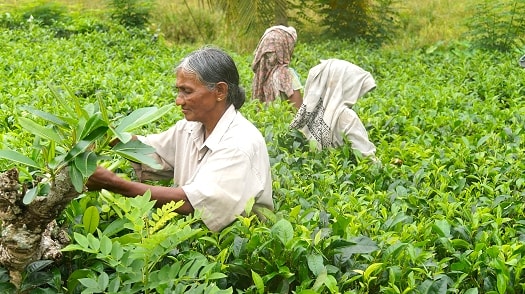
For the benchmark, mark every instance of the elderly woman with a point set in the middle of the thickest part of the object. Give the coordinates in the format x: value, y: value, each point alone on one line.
x: 273, y: 77
x: 326, y: 115
x: 217, y: 159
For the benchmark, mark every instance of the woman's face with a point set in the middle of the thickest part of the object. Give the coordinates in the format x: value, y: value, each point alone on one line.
x: 198, y: 102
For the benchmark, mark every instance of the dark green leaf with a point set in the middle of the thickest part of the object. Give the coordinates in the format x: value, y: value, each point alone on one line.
x: 94, y: 128
x: 86, y: 163
x: 362, y: 245
x: 38, y: 265
x: 137, y: 151
x: 315, y: 263
x: 442, y: 228
x: 79, y: 148
x: 434, y: 287
x: 76, y: 178
x: 114, y: 227
x: 73, y: 279
x: 134, y: 146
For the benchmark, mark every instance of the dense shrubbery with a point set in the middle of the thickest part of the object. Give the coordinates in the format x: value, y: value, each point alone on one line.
x: 444, y: 211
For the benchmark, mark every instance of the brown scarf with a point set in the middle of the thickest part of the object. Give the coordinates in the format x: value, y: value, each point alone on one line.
x: 270, y: 64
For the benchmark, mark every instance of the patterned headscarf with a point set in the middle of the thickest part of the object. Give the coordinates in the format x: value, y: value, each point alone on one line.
x: 270, y: 64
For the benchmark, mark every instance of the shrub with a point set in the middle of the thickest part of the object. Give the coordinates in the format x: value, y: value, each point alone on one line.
x: 131, y: 13
x: 497, y: 25
x: 47, y: 14
x: 373, y: 21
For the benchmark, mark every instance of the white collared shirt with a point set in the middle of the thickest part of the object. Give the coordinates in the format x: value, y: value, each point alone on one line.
x: 218, y: 175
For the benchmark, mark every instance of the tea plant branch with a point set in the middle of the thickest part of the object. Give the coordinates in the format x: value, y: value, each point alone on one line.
x: 69, y: 149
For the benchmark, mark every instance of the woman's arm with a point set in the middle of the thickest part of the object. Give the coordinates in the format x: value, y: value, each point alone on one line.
x: 106, y: 179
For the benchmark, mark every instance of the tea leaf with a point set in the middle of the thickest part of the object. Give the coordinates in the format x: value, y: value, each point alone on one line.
x: 18, y: 157
x: 91, y: 219
x: 283, y: 230
x: 30, y: 195
x: 39, y: 130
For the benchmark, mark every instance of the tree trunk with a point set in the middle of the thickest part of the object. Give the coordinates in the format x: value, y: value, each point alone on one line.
x: 29, y: 231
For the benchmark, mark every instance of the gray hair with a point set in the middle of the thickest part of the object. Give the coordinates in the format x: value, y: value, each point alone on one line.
x: 211, y: 65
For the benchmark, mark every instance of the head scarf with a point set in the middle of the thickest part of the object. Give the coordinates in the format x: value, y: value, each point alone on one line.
x: 331, y: 86
x: 270, y: 64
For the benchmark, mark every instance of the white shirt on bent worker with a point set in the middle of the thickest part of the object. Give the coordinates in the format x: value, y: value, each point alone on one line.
x: 218, y: 175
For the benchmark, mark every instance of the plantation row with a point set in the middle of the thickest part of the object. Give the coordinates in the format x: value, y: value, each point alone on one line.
x: 443, y: 212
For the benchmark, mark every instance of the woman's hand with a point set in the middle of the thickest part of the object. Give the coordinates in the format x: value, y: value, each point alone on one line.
x: 102, y: 178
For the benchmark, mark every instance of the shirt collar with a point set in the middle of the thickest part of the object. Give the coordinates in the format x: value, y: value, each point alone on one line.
x: 220, y: 129
x: 218, y: 132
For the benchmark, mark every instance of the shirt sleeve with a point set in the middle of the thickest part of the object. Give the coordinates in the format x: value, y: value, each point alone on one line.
x: 162, y: 143
x: 223, y: 186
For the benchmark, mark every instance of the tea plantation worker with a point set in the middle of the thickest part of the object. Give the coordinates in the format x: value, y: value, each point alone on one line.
x: 216, y: 157
x: 326, y: 114
x: 273, y: 76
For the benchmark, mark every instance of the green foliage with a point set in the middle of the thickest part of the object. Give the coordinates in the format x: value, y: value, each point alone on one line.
x: 78, y: 139
x: 443, y: 212
x: 46, y: 13
x: 250, y: 15
x: 497, y: 25
x: 131, y: 13
x: 189, y: 26
x: 141, y: 251
x: 373, y: 21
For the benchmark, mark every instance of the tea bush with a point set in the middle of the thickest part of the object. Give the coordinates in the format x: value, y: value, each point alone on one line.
x: 443, y: 212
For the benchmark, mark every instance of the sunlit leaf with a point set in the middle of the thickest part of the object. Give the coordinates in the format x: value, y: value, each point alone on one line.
x: 45, y: 115
x: 91, y: 219
x: 18, y: 158
x: 258, y: 281
x: 142, y: 116
x: 371, y: 269
x: 283, y: 230
x: 39, y: 130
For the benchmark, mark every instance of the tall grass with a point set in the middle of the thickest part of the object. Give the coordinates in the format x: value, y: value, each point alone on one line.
x: 424, y: 22
x: 430, y: 22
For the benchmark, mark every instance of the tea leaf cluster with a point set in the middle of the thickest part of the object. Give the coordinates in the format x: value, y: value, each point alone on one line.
x: 443, y: 212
